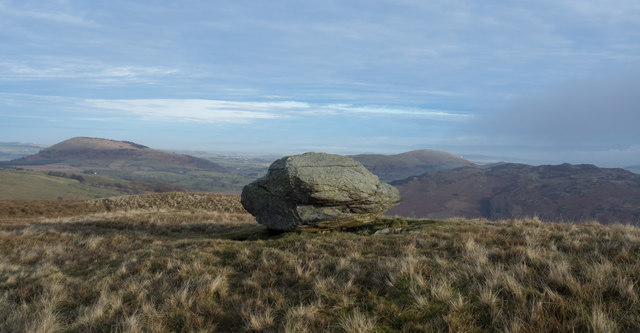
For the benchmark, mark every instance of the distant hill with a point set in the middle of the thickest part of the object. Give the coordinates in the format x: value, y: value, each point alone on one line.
x: 12, y: 150
x: 634, y: 169
x: 413, y: 163
x: 82, y: 148
x: 131, y: 161
x: 551, y: 192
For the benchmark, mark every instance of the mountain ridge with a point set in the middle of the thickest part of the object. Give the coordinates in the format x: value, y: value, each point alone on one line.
x: 411, y: 163
x: 569, y: 192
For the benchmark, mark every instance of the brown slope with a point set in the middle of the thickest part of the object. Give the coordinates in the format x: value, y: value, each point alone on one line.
x: 84, y: 148
x: 552, y: 192
x: 413, y: 163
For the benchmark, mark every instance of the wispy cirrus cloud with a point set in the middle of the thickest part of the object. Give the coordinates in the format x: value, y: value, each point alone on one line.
x: 196, y: 110
x: 206, y: 110
x: 56, y: 17
x: 51, y: 16
x: 65, y: 68
x: 434, y: 114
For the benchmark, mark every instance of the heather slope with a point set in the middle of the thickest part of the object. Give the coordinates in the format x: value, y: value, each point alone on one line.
x: 552, y: 192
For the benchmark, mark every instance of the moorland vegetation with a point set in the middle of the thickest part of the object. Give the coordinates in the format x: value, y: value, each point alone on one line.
x: 136, y: 264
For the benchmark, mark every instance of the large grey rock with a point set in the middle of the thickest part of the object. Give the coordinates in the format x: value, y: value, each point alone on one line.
x: 317, y: 190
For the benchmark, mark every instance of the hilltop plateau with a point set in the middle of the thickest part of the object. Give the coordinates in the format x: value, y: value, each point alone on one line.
x: 177, y: 262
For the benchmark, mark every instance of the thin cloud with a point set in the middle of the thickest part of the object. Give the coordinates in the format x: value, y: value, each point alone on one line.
x: 63, y: 18
x: 193, y: 110
x: 604, y: 10
x: 56, y: 68
x: 440, y: 93
x: 205, y: 110
x: 384, y: 110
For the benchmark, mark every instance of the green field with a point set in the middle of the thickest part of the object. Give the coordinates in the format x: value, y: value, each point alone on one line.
x: 200, y: 180
x: 55, y: 185
x: 28, y: 185
x: 151, y: 171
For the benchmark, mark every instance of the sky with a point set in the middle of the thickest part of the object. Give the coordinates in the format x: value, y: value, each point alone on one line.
x: 541, y: 81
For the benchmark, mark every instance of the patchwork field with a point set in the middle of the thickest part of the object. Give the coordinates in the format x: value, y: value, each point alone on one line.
x: 197, y: 262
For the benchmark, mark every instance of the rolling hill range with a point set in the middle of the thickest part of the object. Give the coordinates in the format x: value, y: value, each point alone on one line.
x: 130, y: 161
x: 396, y: 167
x: 13, y: 150
x: 552, y: 192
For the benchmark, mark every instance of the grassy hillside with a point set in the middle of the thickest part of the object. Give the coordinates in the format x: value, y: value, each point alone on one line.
x: 25, y: 185
x: 143, y: 266
x: 30, y: 185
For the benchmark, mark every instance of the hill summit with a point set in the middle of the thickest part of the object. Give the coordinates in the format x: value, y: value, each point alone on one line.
x: 85, y: 148
x: 86, y: 143
x: 125, y: 160
x: 412, y: 163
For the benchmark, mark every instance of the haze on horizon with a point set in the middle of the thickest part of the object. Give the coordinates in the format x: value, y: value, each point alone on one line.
x: 531, y: 81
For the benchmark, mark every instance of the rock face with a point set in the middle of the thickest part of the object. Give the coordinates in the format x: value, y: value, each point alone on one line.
x: 317, y: 190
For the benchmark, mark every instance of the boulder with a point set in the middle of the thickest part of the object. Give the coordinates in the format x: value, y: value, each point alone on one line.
x: 317, y: 190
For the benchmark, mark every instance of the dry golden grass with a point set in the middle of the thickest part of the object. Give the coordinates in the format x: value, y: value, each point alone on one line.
x: 171, y: 200
x: 163, y: 269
